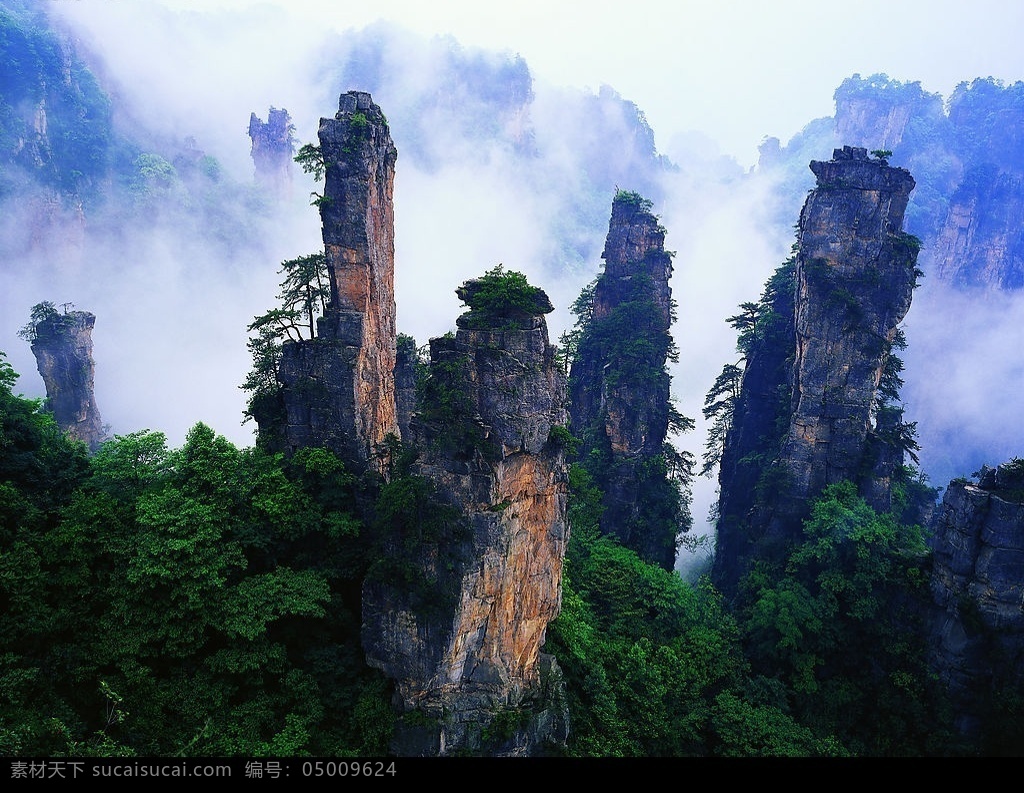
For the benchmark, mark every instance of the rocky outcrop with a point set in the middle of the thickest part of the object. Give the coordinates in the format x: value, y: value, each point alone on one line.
x: 966, y: 155
x: 854, y: 282
x: 463, y: 646
x: 273, y: 146
x: 619, y: 384
x: 62, y: 345
x: 853, y: 279
x: 338, y: 390
x: 978, y: 586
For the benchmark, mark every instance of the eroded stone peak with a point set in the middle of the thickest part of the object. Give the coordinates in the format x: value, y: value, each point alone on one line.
x: 635, y: 234
x: 353, y: 102
x: 851, y: 167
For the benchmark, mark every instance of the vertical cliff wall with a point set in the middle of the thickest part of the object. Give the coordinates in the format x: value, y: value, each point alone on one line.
x: 853, y: 278
x: 619, y: 384
x: 978, y: 585
x: 338, y: 389
x: 980, y: 242
x: 464, y: 645
x: 62, y: 345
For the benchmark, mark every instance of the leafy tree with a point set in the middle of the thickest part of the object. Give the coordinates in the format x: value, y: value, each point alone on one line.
x: 196, y: 601
x: 889, y: 423
x: 719, y: 407
x: 501, y: 297
x: 40, y: 468
x: 582, y: 309
x: 311, y: 158
x: 653, y: 665
x: 841, y: 628
x: 634, y: 199
x: 305, y: 292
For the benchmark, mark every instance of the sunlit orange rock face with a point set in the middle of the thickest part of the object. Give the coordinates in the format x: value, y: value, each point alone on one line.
x: 359, y: 238
x: 474, y: 651
x: 456, y: 617
x: 339, y: 391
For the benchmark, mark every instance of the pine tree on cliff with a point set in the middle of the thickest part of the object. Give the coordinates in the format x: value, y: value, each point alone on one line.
x: 619, y: 386
x: 336, y: 387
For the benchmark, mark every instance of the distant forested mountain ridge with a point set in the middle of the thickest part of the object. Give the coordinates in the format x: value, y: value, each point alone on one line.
x: 70, y: 175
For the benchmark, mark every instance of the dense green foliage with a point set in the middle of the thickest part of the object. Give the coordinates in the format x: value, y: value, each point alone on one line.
x: 840, y: 626
x: 205, y: 601
x: 833, y: 622
x: 653, y: 665
x: 629, y: 337
x: 79, y: 147
x: 198, y: 601
x: 501, y: 298
x: 823, y: 655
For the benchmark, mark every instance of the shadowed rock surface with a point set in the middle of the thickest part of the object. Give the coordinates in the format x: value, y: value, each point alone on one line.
x: 62, y: 345
x: 619, y: 384
x: 978, y: 586
x: 808, y: 406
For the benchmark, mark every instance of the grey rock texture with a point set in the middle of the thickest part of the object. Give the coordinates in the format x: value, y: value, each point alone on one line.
x: 62, y: 346
x: 853, y: 281
x: 474, y: 654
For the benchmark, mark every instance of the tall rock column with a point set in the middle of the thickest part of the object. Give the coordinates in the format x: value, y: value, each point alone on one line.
x: 339, y: 389
x: 273, y: 146
x: 854, y: 282
x: 619, y: 384
x: 463, y: 644
x: 854, y: 278
x: 62, y: 345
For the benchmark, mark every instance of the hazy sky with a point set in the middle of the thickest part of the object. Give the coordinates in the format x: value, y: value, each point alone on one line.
x: 735, y: 69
